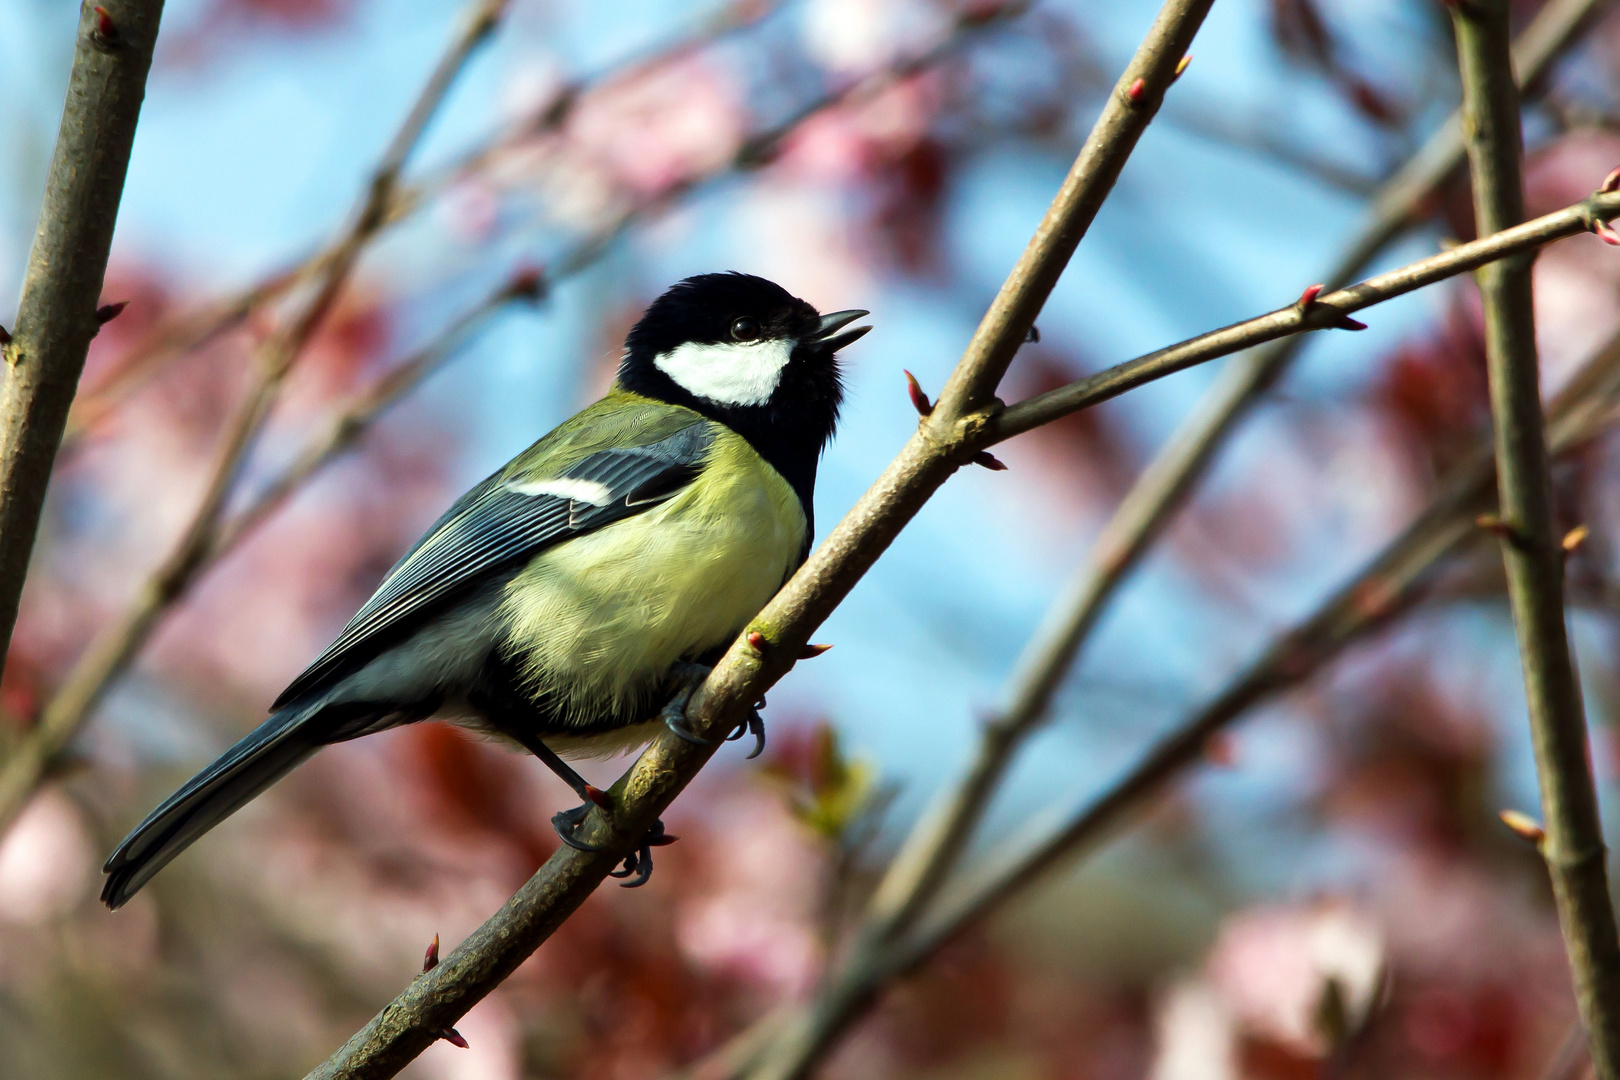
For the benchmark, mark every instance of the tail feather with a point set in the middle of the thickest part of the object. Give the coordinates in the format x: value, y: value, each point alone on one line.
x: 269, y: 752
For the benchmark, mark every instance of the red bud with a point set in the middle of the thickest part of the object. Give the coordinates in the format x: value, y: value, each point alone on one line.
x: 529, y: 283
x: 106, y: 313
x: 1137, y: 91
x: 919, y: 400
x: 453, y: 1037
x: 431, y: 959
x: 810, y: 652
x: 599, y: 797
x: 989, y: 461
x: 106, y: 32
x: 1524, y: 825
x: 1610, y: 183
x: 756, y: 641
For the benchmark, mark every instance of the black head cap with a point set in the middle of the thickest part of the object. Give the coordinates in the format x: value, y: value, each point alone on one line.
x: 744, y: 351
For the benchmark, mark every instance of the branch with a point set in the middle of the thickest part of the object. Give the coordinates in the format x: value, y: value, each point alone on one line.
x: 935, y: 843
x: 57, y: 315
x: 437, y: 999
x: 1324, y: 311
x: 1390, y: 585
x: 112, y: 649
x: 1531, y: 549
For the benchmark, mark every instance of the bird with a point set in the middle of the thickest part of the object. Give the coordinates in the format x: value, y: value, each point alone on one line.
x: 594, y: 577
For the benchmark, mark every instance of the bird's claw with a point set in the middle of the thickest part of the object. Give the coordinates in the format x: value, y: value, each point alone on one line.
x: 638, y: 862
x: 674, y: 717
x: 567, y: 823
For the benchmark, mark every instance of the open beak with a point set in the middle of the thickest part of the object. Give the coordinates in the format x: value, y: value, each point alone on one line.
x: 827, y: 336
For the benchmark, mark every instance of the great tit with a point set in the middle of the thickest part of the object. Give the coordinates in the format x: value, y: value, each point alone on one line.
x: 559, y: 602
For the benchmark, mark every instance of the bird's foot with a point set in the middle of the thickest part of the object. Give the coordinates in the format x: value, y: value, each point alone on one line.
x: 674, y: 713
x: 638, y: 862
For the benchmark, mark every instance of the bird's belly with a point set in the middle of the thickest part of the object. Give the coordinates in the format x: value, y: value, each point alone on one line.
x: 594, y: 624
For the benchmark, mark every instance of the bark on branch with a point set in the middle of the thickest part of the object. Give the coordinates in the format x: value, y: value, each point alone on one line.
x: 1531, y: 551
x: 56, y: 317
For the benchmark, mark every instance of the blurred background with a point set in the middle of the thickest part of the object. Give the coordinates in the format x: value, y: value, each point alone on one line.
x: 1341, y: 848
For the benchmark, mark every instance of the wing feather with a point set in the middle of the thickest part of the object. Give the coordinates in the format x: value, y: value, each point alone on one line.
x: 495, y: 525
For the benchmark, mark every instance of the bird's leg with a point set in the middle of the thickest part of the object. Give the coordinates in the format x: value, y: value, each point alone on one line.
x: 567, y: 822
x: 674, y: 713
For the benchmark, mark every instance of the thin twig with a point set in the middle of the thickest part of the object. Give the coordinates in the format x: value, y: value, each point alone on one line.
x: 1390, y: 585
x: 1531, y: 550
x: 934, y: 844
x: 1325, y: 311
x: 57, y: 315
x: 113, y: 647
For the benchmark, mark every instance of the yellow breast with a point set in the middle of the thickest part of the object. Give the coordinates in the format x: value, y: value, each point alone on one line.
x: 596, y: 621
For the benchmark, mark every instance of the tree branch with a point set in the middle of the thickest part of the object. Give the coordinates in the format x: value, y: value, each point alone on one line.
x: 437, y: 999
x: 1531, y: 549
x: 112, y: 648
x: 57, y: 317
x: 1325, y: 311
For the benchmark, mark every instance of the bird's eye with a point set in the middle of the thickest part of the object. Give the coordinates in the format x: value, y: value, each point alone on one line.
x: 744, y: 329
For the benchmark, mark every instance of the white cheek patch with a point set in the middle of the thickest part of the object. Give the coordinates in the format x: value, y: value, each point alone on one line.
x: 585, y: 491
x: 727, y: 373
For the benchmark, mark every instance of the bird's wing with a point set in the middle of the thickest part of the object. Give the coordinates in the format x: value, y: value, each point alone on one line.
x: 505, y: 519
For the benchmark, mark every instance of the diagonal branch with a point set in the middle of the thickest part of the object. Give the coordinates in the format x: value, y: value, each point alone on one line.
x: 57, y: 315
x: 113, y: 647
x: 1531, y: 549
x: 437, y: 999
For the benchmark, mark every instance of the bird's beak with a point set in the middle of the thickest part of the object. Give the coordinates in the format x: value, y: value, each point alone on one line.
x: 826, y: 336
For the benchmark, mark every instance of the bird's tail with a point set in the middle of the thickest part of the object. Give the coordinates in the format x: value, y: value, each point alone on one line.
x: 268, y: 753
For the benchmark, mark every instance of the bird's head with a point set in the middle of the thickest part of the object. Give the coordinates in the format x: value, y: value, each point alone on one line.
x: 746, y: 352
